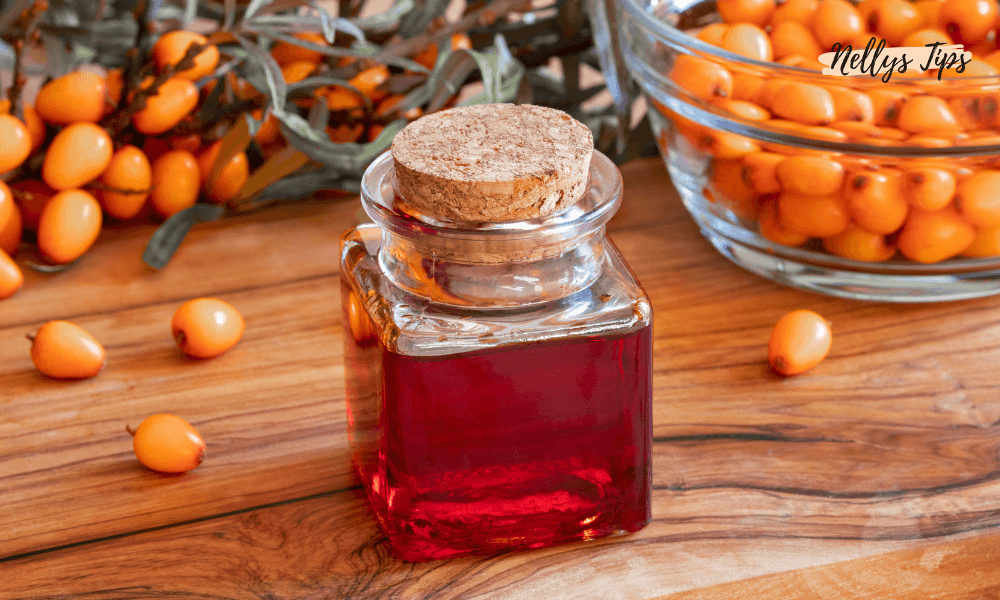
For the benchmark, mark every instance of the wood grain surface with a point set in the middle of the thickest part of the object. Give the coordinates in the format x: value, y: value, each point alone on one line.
x: 889, y: 446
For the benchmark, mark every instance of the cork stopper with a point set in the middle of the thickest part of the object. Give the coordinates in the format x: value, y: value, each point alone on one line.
x: 493, y: 162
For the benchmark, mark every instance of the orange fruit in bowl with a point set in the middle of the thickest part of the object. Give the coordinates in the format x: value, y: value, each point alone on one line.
x: 129, y: 170
x: 229, y: 178
x: 174, y: 100
x: 77, y: 155
x: 69, y: 226
x: 73, y: 98
x: 170, y: 48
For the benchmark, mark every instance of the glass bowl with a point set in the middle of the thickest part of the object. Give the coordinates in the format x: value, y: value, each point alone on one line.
x: 877, y: 200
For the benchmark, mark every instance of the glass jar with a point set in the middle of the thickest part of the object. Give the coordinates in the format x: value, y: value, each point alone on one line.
x: 498, y: 375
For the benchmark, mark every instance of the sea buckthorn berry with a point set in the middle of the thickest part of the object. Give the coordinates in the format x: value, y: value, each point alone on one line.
x: 993, y: 58
x: 746, y: 87
x: 802, y: 62
x: 701, y: 78
x: 760, y: 171
x: 894, y: 20
x: 852, y: 105
x: 875, y: 200
x: 15, y: 143
x: 744, y: 110
x: 391, y: 105
x: 714, y: 34
x: 927, y: 113
x: 73, y: 98
x: 295, y: 72
x: 114, y: 85
x: 173, y: 101
x: 69, y: 226
x: 887, y: 105
x: 167, y: 444
x: 428, y: 56
x: 369, y: 80
x: 286, y: 52
x: 930, y: 10
x: 771, y: 228
x: 170, y: 48
x: 816, y: 216
x: 979, y: 112
x: 228, y: 179
x: 791, y: 38
x: 932, y: 236
x: 836, y: 21
x: 968, y: 21
x: 345, y: 132
x: 175, y: 179
x: 340, y: 98
x: 929, y: 141
x: 749, y: 41
x: 129, y: 170
x: 794, y: 11
x: 63, y: 350
x: 10, y: 234
x: 929, y: 188
x: 77, y: 155
x: 206, y: 327
x: 725, y: 145
x: 32, y: 195
x: 986, y: 243
x: 811, y: 175
x: 859, y: 244
x: 35, y: 125
x: 756, y: 12
x: 799, y: 341
x: 923, y: 37
x: 856, y: 130
x: 978, y: 198
x: 11, y: 277
x: 729, y: 187
x: 973, y: 68
x: 269, y: 131
x: 804, y: 103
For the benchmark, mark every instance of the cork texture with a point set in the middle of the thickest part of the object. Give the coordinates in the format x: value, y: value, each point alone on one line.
x: 493, y: 162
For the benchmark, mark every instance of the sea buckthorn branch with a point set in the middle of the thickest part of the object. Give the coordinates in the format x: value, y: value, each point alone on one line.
x: 28, y: 22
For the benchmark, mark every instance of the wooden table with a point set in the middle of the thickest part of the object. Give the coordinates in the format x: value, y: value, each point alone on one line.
x: 873, y: 476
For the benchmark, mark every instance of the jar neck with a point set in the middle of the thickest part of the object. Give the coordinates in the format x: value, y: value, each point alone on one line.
x: 464, y: 275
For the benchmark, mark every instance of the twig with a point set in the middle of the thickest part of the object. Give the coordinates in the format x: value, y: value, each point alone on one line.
x: 29, y: 20
x: 97, y: 185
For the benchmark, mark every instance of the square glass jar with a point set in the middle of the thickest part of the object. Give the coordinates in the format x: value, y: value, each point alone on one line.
x: 498, y: 375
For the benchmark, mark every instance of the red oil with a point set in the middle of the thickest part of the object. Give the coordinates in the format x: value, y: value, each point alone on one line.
x: 520, y: 446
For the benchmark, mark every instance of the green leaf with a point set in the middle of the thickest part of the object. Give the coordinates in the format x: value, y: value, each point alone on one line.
x: 344, y: 158
x: 359, y: 50
x: 252, y: 8
x: 416, y: 21
x: 272, y: 72
x: 190, y: 10
x: 169, y: 236
x: 230, y: 17
x: 388, y: 20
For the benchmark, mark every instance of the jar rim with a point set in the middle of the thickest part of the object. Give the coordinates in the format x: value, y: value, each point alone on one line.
x: 600, y: 201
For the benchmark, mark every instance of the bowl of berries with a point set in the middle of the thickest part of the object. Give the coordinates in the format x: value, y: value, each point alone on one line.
x: 849, y: 149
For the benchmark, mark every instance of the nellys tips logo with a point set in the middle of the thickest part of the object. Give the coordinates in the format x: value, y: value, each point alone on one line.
x: 877, y: 60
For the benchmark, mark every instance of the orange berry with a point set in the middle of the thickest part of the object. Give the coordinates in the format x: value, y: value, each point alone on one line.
x: 887, y: 105
x: 756, y: 12
x: 894, y: 20
x: 173, y: 101
x: 113, y: 89
x: 836, y: 21
x: 77, y: 155
x: 860, y: 244
x: 73, y: 98
x: 701, y: 78
x: 11, y: 277
x: 339, y: 98
x: 15, y: 143
x: 175, y: 179
x: 10, y: 234
x: 749, y: 41
x: 986, y: 244
x: 269, y: 131
x: 714, y: 34
x: 932, y: 236
x: 428, y: 56
x: 760, y: 171
x: 794, y: 11
x: 875, y: 200
x: 345, y: 132
x: 993, y: 58
x: 804, y: 103
x: 791, y: 38
x: 924, y: 37
x: 33, y: 196
x: 295, y: 72
x: 929, y: 188
x: 856, y: 130
x: 927, y: 113
x: 167, y: 444
x: 816, y: 216
x: 772, y: 229
x: 69, y: 226
x: 285, y: 52
x: 191, y: 143
x: 851, y: 105
x: 968, y: 21
x: 369, y: 80
x: 727, y: 183
x: 374, y: 131
x: 978, y: 198
x: 930, y: 10
x: 746, y: 87
x: 129, y: 170
x: 811, y: 175
x: 206, y: 327
x: 228, y: 179
x: 63, y: 350
x: 799, y: 341
x: 390, y: 106
x: 725, y: 145
x: 170, y: 48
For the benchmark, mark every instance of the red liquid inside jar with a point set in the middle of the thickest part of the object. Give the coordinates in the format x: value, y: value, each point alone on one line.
x: 522, y: 446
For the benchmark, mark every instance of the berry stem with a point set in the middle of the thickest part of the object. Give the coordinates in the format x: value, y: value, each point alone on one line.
x: 30, y: 337
x: 129, y: 429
